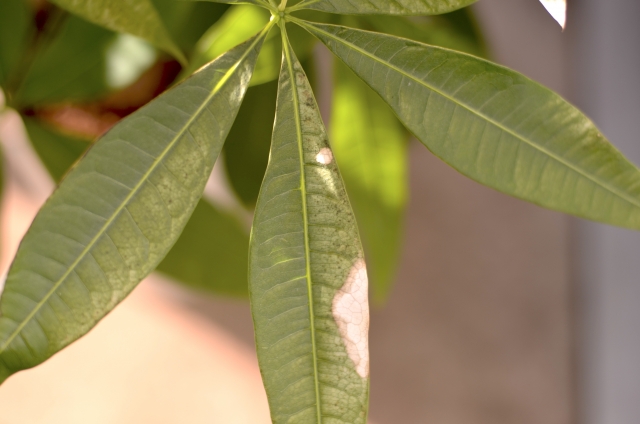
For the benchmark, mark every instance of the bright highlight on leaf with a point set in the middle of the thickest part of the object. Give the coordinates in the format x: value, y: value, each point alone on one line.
x: 557, y: 9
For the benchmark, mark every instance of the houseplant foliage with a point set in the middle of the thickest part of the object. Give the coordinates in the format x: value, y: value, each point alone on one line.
x: 119, y: 211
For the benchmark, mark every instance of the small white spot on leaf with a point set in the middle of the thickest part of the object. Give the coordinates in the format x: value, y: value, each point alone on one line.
x: 557, y: 9
x: 324, y: 156
x: 350, y: 310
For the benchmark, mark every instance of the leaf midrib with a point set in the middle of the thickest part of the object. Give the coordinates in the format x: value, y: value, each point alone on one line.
x: 569, y: 165
x: 305, y: 218
x: 134, y: 190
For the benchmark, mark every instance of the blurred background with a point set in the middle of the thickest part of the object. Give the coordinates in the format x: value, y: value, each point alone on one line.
x: 501, y: 312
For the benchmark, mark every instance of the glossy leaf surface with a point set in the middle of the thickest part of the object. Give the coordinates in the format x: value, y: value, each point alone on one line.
x: 118, y: 212
x: 384, y: 7
x: 136, y: 17
x: 370, y: 146
x: 495, y: 125
x: 307, y: 275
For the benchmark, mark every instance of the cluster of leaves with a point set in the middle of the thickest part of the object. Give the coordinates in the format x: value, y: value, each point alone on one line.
x: 133, y: 202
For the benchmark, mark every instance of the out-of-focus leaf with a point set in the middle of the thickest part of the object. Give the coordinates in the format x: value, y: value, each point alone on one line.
x: 118, y: 212
x: 557, y: 9
x: 211, y: 253
x: 495, y: 125
x: 247, y: 148
x: 444, y: 30
x: 72, y: 67
x: 190, y: 260
x: 58, y: 152
x: 234, y: 27
x: 15, y: 29
x: 371, y: 148
x: 136, y: 17
x: 262, y: 3
x: 384, y: 7
x: 307, y: 276
x: 188, y: 21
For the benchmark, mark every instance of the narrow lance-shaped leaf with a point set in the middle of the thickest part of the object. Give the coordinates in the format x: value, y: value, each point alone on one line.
x: 118, y: 212
x: 371, y: 148
x: 307, y: 275
x: 495, y: 125
x: 384, y: 7
x: 137, y: 17
x: 190, y: 260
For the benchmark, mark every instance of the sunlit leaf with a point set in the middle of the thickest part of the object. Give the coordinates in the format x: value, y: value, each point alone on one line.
x: 557, y: 9
x: 210, y: 233
x: 495, y: 125
x: 308, y: 281
x: 371, y: 148
x: 384, y: 7
x: 15, y: 29
x: 136, y: 17
x: 118, y: 212
x: 233, y: 28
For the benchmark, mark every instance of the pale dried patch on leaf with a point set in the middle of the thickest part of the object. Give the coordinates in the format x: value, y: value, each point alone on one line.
x: 351, y: 312
x: 325, y: 156
x: 557, y: 9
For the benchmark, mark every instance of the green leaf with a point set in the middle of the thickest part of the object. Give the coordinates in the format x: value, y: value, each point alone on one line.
x: 15, y: 28
x: 384, y: 7
x: 118, y: 212
x: 136, y: 17
x: 57, y: 152
x: 189, y: 261
x: 235, y: 26
x: 211, y: 253
x: 495, y: 125
x: 246, y: 152
x: 454, y: 30
x: 371, y: 147
x: 188, y: 21
x: 307, y: 276
x: 262, y: 3
x: 72, y: 67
